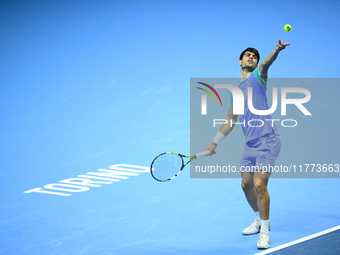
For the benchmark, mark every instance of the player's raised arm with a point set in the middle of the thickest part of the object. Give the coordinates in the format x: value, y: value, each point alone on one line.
x: 264, y: 66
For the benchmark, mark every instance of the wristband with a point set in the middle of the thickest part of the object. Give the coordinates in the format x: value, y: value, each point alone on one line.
x: 218, y: 138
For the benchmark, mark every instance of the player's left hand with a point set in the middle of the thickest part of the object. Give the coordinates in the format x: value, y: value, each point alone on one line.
x: 281, y: 46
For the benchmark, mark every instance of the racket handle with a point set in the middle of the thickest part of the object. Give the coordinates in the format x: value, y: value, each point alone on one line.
x: 202, y: 154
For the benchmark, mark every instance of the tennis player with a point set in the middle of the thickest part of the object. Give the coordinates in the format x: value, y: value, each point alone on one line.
x: 262, y: 141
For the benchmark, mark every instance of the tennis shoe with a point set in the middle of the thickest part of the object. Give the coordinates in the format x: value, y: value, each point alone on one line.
x: 254, y: 228
x: 264, y: 240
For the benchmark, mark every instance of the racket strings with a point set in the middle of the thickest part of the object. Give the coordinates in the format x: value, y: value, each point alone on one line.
x: 167, y: 166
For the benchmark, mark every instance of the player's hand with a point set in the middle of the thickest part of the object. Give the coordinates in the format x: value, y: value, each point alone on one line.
x: 281, y: 46
x: 211, y: 148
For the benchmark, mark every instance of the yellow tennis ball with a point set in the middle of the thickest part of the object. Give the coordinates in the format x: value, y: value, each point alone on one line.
x: 287, y: 28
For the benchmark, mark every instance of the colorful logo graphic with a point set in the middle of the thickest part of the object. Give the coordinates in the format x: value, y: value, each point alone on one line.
x: 213, y: 90
x: 204, y: 97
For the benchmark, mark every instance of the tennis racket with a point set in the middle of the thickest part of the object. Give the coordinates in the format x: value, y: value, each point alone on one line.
x: 168, y: 165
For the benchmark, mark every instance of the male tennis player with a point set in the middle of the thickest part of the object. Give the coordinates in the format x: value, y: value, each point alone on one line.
x: 262, y: 139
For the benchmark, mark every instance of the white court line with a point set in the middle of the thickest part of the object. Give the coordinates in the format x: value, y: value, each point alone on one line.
x: 299, y: 241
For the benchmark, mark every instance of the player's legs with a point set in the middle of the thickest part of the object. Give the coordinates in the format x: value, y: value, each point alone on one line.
x: 258, y: 155
x: 263, y: 199
x: 251, y: 195
x: 266, y: 161
x: 249, y: 190
x: 254, y: 186
x: 248, y: 160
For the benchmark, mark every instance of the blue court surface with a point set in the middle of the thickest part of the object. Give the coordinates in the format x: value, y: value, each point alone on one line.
x: 92, y: 92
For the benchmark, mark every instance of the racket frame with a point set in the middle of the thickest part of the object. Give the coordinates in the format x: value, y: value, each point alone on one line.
x: 180, y: 170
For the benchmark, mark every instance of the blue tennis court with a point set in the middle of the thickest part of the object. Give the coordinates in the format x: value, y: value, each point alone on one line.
x: 92, y: 92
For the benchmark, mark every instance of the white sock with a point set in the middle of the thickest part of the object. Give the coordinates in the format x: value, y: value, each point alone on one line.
x: 265, y: 225
x: 257, y: 214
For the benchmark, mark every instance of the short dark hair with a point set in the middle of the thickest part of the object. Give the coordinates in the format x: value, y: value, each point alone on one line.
x: 253, y: 50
